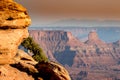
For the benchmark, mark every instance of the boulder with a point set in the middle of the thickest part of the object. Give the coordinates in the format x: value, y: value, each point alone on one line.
x: 13, y: 15
x: 52, y: 71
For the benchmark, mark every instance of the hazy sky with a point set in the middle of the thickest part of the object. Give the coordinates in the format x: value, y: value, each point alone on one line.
x: 47, y: 11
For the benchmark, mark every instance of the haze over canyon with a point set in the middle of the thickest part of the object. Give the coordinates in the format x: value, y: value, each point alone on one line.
x: 93, y: 59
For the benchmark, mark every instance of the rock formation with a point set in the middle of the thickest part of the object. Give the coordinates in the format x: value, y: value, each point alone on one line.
x: 13, y: 30
x: 15, y: 64
x: 10, y: 39
x: 54, y: 41
x: 52, y: 71
x: 13, y: 15
x: 94, y: 39
x: 10, y: 73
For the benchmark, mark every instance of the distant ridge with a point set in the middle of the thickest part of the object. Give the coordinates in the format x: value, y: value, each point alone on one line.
x: 85, y: 23
x: 81, y: 33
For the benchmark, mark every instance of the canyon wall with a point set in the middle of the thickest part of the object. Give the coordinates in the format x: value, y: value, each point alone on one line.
x: 90, y: 60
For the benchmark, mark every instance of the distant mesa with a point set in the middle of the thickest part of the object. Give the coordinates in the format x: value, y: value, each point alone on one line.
x: 93, y: 38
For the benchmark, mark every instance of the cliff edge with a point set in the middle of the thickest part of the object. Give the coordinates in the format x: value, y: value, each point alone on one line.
x: 16, y: 64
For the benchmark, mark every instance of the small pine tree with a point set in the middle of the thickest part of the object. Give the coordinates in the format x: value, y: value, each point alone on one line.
x: 30, y: 44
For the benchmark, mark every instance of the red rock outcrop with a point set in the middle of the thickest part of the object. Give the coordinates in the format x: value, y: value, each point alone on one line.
x: 13, y: 30
x: 52, y: 71
x: 94, y: 39
x: 13, y: 15
x: 10, y: 73
x: 10, y: 39
x: 13, y: 22
x: 52, y: 41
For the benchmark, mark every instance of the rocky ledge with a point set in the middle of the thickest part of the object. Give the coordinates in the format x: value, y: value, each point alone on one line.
x: 13, y: 15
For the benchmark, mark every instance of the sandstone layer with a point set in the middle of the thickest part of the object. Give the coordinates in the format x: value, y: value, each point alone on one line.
x: 52, y: 71
x: 10, y: 39
x: 10, y: 73
x: 13, y: 15
x: 13, y: 22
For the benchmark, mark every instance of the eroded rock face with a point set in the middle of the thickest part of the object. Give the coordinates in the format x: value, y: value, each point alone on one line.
x: 94, y: 39
x: 93, y: 36
x: 10, y: 73
x: 13, y: 15
x: 52, y: 71
x: 24, y: 62
x: 10, y: 39
x: 54, y: 41
x: 13, y: 22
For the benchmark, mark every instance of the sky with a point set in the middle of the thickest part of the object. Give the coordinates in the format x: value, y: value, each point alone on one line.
x: 45, y: 12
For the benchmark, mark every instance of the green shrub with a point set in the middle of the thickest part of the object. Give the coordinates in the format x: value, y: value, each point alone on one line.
x: 30, y: 44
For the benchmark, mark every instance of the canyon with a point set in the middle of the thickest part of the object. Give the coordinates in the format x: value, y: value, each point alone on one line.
x: 93, y: 59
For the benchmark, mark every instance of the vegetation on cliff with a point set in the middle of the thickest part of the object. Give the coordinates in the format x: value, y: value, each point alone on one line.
x: 30, y: 44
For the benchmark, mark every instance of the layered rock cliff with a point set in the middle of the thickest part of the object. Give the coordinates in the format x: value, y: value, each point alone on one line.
x: 13, y: 30
x: 55, y: 41
x: 90, y: 60
x: 13, y: 15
